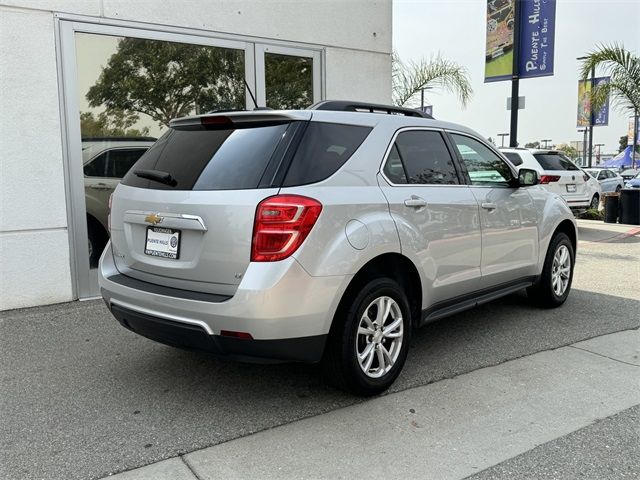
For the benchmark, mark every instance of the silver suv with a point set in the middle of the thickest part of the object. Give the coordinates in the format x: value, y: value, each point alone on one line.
x: 326, y: 235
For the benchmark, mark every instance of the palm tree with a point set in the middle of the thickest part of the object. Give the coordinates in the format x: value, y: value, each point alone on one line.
x: 624, y: 69
x: 437, y: 72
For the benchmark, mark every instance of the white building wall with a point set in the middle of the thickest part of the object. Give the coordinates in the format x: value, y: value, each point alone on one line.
x: 34, y: 244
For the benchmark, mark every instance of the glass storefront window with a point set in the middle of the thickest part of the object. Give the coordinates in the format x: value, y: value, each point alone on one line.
x: 129, y: 89
x: 288, y: 81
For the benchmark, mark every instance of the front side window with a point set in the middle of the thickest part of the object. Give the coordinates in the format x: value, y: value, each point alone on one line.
x: 483, y: 165
x: 420, y: 157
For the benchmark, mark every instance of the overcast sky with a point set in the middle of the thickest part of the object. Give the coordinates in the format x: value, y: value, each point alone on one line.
x: 456, y: 29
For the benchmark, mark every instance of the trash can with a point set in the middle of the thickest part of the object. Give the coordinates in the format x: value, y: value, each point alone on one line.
x: 611, y: 204
x: 629, y: 206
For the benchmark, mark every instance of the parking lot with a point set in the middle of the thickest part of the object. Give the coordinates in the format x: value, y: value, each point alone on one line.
x: 84, y: 398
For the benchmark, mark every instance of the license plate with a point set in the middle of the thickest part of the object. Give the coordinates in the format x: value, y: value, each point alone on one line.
x: 571, y: 187
x: 162, y: 242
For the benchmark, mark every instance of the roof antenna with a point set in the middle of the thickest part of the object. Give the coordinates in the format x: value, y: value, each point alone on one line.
x: 251, y: 93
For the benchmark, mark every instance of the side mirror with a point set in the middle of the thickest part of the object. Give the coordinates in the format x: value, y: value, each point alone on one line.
x: 527, y: 177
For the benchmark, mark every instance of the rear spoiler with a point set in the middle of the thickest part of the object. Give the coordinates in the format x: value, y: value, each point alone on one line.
x: 238, y: 119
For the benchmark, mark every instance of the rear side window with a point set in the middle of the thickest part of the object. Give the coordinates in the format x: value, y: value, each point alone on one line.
x: 230, y: 159
x: 425, y: 158
x: 554, y: 161
x: 514, y: 158
x: 324, y: 148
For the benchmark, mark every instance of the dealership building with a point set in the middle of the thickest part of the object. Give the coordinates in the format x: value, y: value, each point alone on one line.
x: 83, y: 81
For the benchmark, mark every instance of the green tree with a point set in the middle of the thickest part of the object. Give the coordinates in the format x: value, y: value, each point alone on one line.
x: 165, y: 80
x: 624, y: 142
x: 624, y: 69
x: 532, y: 145
x: 568, y: 150
x: 288, y: 81
x: 409, y: 79
x: 115, y: 125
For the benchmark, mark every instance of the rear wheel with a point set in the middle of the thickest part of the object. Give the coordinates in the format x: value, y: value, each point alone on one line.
x: 369, y: 340
x: 618, y: 188
x: 557, y: 274
x: 595, y: 202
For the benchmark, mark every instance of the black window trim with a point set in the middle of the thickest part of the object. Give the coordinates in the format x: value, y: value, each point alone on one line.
x: 454, y: 158
x: 110, y: 149
x: 514, y: 173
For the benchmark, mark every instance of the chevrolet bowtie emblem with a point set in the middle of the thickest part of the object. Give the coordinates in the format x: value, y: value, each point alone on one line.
x: 153, y: 219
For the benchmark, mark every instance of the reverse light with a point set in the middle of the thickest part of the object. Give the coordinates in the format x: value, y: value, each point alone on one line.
x: 544, y: 179
x: 281, y: 225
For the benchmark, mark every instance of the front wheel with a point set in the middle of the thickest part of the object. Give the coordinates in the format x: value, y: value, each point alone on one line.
x: 369, y: 340
x: 554, y: 284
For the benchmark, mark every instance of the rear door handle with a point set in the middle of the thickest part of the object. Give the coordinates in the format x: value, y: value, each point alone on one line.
x: 415, y: 202
x: 489, y: 206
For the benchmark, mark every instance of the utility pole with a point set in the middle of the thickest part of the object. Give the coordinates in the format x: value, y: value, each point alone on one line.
x: 546, y: 142
x: 635, y: 139
x: 584, y: 145
x: 515, y: 80
x: 591, y: 116
x: 598, y: 155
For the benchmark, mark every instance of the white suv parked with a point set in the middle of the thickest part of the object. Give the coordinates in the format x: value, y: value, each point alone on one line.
x: 559, y: 175
x: 325, y: 234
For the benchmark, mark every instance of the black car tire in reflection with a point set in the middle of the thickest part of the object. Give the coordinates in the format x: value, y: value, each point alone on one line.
x: 97, y: 240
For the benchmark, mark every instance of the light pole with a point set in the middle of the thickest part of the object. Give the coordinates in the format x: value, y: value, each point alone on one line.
x: 502, y: 135
x: 598, y: 155
x: 593, y: 76
x: 546, y: 142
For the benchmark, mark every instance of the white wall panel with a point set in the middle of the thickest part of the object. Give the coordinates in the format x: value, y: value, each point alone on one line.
x: 356, y: 75
x: 84, y: 7
x: 32, y: 190
x: 34, y: 268
x: 361, y: 24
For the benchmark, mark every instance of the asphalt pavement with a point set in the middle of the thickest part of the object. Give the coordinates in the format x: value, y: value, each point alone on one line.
x: 84, y: 398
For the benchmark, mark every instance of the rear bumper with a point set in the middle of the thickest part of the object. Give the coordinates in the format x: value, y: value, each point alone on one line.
x: 193, y: 337
x: 275, y: 302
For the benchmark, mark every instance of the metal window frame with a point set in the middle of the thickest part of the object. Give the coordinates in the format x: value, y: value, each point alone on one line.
x: 84, y: 285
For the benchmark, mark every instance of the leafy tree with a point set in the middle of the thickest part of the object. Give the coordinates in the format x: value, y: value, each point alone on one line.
x: 115, y: 125
x: 568, y: 150
x: 491, y: 140
x: 532, y: 145
x: 409, y: 79
x: 624, y: 141
x: 624, y: 69
x: 289, y: 81
x: 165, y: 80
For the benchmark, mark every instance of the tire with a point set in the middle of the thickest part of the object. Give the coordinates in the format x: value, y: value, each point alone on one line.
x: 98, y: 239
x: 546, y: 293
x: 341, y: 365
x: 595, y: 202
x: 618, y: 188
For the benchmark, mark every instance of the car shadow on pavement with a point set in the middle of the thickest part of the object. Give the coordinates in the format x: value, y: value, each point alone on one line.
x: 83, y: 397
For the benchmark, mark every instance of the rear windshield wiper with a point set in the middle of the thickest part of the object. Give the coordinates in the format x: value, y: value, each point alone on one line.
x: 157, y: 176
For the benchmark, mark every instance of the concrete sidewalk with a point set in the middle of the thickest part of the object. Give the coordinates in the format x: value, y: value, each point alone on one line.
x: 447, y: 430
x: 599, y: 231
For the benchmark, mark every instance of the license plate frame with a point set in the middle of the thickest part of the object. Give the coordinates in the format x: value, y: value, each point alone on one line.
x: 571, y: 188
x: 159, y: 235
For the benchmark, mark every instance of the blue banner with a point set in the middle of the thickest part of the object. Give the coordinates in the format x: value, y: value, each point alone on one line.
x: 601, y: 117
x: 537, y: 37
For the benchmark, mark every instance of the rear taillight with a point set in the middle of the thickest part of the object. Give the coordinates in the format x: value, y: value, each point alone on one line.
x: 549, y: 178
x: 109, y: 214
x: 281, y: 225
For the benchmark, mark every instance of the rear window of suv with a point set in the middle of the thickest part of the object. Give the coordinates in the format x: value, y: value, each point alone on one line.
x: 238, y: 159
x: 554, y: 161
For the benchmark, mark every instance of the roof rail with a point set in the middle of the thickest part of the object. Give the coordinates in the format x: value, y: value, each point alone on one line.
x: 346, y: 106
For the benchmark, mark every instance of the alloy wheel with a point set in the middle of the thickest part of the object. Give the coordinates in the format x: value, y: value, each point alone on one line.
x: 379, y: 337
x: 561, y: 270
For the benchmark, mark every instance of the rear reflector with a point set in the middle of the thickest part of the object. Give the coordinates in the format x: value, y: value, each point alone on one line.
x: 282, y: 223
x: 549, y: 178
x: 229, y: 333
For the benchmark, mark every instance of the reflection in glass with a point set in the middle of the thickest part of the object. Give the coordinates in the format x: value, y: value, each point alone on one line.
x: 288, y: 80
x: 129, y: 89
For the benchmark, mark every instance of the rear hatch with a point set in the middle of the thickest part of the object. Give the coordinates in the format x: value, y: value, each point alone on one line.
x: 183, y: 216
x: 560, y: 175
